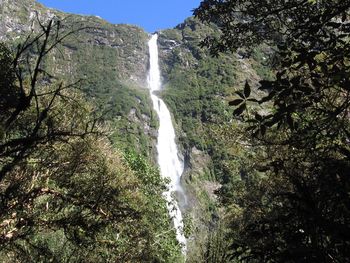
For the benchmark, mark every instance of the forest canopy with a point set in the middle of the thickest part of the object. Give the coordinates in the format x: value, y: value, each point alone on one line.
x: 294, y: 202
x: 66, y: 194
x: 275, y: 151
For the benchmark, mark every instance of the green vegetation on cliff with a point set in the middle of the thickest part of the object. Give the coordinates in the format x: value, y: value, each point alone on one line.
x: 291, y: 203
x: 67, y: 194
x: 111, y: 60
x: 265, y: 180
x: 196, y: 88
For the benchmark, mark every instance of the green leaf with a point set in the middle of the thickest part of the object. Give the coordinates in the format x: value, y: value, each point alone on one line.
x: 290, y: 122
x: 258, y: 117
x: 235, y: 102
x: 247, y: 89
x: 265, y: 85
x: 239, y: 93
x: 239, y: 110
x: 334, y: 24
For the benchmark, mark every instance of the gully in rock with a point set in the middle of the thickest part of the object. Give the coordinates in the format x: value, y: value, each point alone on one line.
x: 171, y: 166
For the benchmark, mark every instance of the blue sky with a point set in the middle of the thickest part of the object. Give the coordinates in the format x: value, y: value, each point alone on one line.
x: 152, y: 15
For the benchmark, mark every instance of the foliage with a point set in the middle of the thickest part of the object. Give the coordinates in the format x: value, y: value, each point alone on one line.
x: 165, y: 248
x: 8, y: 93
x: 196, y: 85
x: 244, y: 24
x: 196, y: 89
x: 65, y: 194
x: 297, y: 210
x: 110, y: 59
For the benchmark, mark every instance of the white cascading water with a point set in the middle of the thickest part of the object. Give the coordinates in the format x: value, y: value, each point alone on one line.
x: 171, y: 166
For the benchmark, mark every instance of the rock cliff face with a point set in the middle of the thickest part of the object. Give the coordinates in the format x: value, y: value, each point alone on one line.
x: 126, y: 45
x: 113, y: 59
x: 197, y: 87
x: 17, y: 17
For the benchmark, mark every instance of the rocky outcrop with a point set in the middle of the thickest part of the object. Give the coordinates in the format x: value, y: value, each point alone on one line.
x: 111, y: 59
x: 114, y: 60
x: 126, y: 45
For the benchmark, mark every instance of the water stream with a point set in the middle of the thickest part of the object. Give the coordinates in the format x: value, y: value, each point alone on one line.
x: 170, y: 165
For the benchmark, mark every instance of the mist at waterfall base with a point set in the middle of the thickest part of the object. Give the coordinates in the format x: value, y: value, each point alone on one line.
x: 169, y: 163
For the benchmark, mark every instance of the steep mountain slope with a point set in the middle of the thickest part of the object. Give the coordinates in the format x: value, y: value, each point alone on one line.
x: 113, y: 62
x: 127, y: 44
x: 111, y: 59
x: 76, y: 198
x: 197, y: 88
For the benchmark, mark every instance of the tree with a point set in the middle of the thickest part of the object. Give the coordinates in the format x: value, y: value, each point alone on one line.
x: 298, y: 211
x: 21, y: 88
x: 65, y: 194
x: 8, y: 92
x: 246, y: 24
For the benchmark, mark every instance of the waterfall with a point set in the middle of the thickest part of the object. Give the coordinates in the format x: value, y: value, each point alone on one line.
x: 170, y: 165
